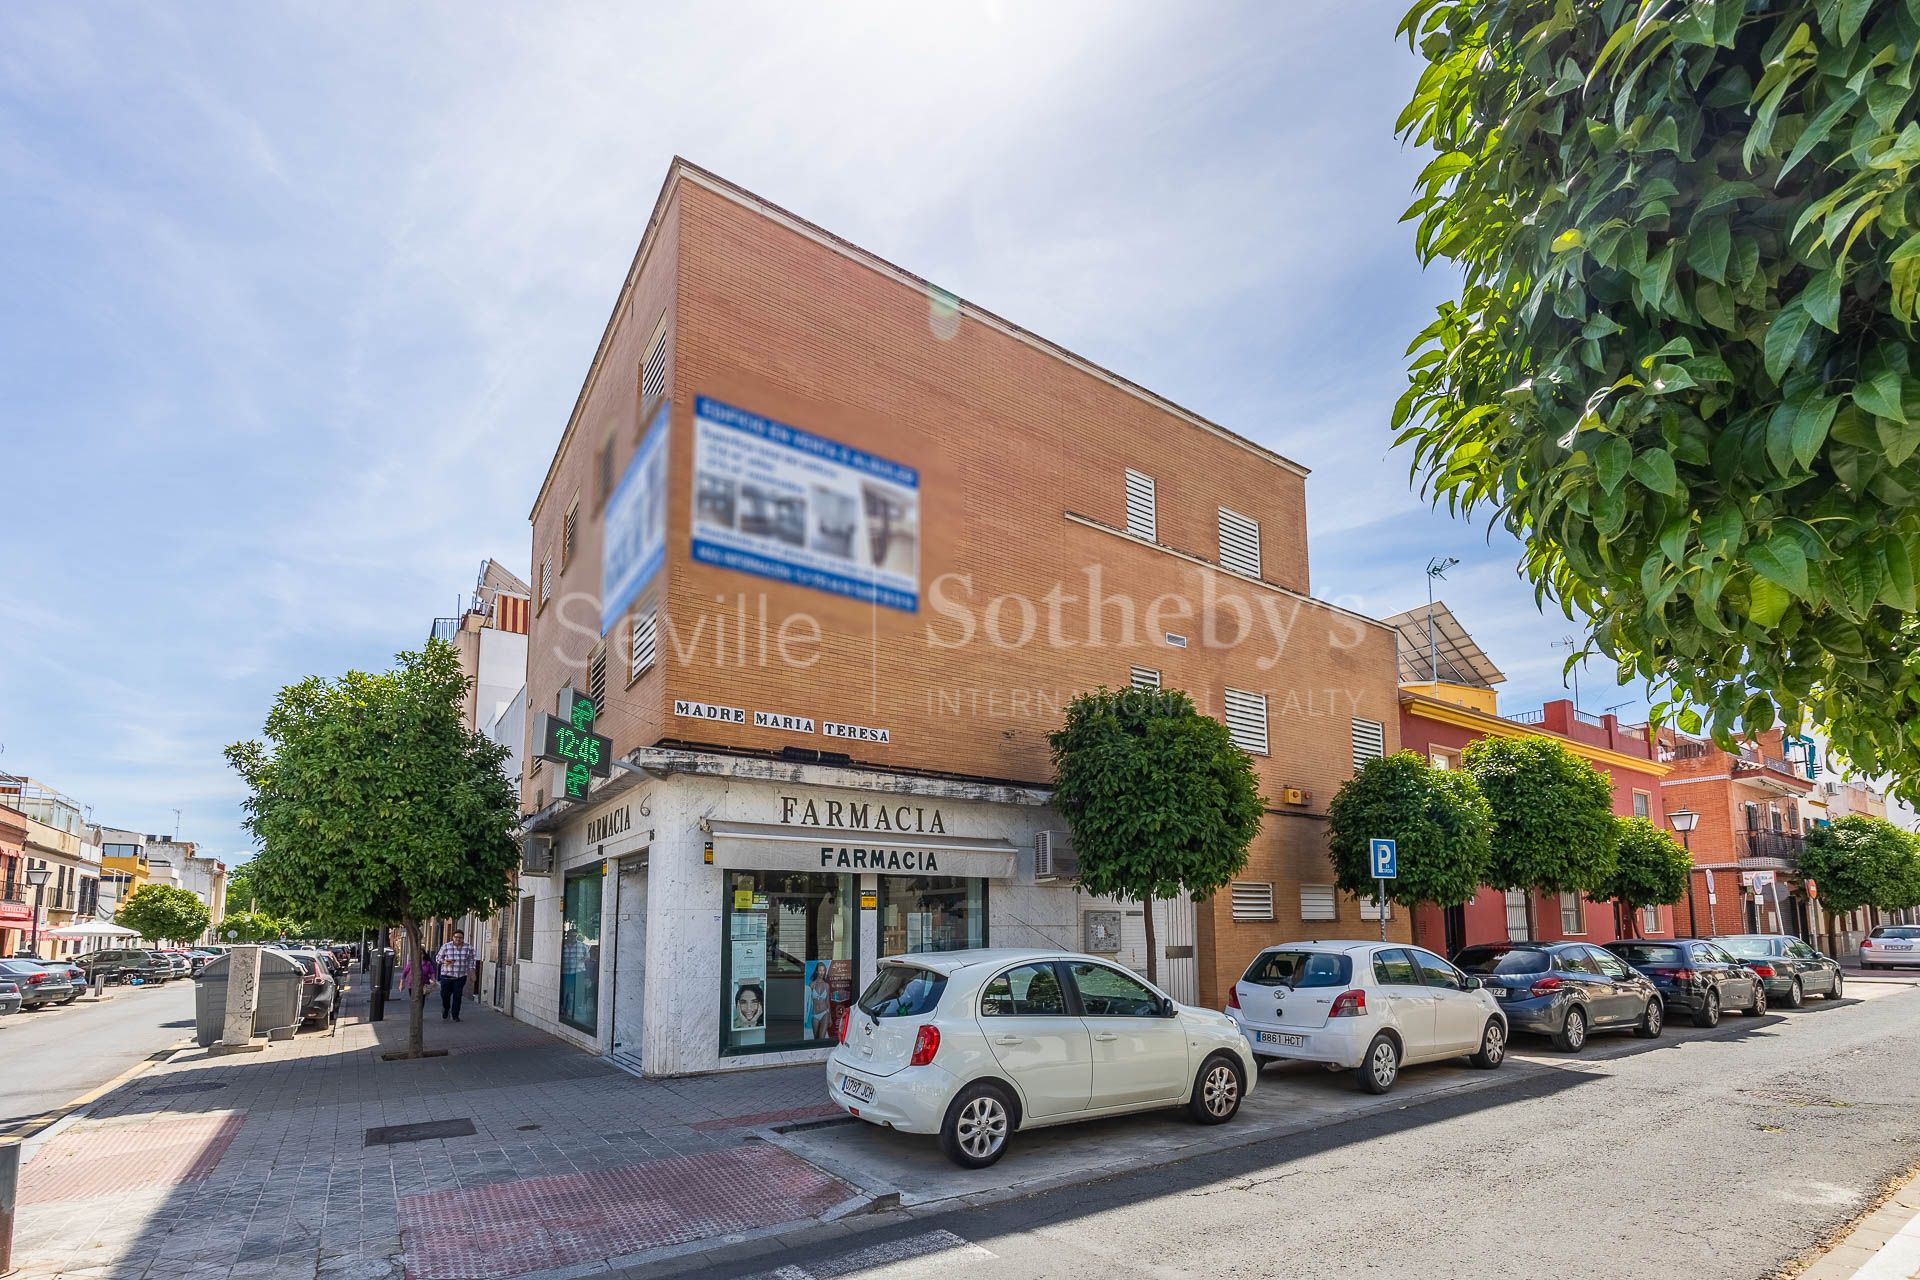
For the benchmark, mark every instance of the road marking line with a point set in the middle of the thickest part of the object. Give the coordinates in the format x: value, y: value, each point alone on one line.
x: 1898, y: 1258
x: 938, y: 1248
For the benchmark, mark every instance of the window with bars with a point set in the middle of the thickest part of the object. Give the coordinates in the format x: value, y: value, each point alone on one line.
x: 1573, y: 915
x: 1252, y: 901
x: 1239, y: 543
x: 597, y: 680
x: 546, y: 579
x: 642, y: 642
x: 523, y: 942
x: 1649, y: 920
x: 569, y: 533
x: 1142, y: 519
x: 1247, y: 721
x: 653, y: 371
x: 1642, y: 804
x: 1369, y: 741
x: 1145, y: 678
x: 1317, y: 902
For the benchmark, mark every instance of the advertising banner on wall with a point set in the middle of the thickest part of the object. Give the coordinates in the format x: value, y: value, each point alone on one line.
x: 776, y: 501
x: 636, y: 525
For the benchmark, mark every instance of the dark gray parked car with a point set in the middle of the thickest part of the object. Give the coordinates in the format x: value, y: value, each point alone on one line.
x: 1798, y: 970
x: 1565, y: 990
x: 39, y: 984
x: 121, y: 963
x: 1698, y: 979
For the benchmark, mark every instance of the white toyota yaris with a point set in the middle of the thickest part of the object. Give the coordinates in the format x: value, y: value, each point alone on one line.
x: 973, y: 1045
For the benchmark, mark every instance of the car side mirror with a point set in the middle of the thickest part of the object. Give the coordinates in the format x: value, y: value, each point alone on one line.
x: 1473, y: 983
x: 1166, y: 1006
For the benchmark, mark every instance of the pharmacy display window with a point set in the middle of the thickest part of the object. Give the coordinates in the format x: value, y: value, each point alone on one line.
x: 791, y: 950
x: 580, y: 951
x: 931, y: 913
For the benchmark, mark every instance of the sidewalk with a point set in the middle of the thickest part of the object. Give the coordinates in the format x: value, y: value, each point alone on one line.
x: 513, y: 1154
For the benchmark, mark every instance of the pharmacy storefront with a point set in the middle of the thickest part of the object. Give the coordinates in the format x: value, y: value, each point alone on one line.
x: 723, y: 912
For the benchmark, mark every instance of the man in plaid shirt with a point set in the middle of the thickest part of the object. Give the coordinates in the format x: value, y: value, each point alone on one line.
x: 455, y: 962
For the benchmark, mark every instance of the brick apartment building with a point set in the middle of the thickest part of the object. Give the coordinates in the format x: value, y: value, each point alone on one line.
x: 16, y: 897
x: 1755, y: 806
x: 828, y: 550
x: 1439, y: 717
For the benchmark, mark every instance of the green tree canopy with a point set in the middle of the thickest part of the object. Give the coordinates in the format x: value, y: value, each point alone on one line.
x: 1680, y: 363
x: 1857, y: 862
x: 371, y: 801
x: 163, y: 913
x: 1650, y: 868
x: 254, y: 926
x: 1159, y: 799
x: 1440, y: 822
x: 1553, y: 825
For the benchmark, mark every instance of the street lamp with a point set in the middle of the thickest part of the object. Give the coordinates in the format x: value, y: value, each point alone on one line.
x: 37, y: 877
x: 1683, y: 821
x: 1436, y: 569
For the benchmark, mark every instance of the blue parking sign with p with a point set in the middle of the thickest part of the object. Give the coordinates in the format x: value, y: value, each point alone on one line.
x: 1386, y: 859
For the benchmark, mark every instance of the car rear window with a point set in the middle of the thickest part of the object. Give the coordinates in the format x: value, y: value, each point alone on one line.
x: 1647, y: 953
x: 902, y: 991
x: 1903, y: 931
x: 1494, y: 960
x: 1749, y: 948
x: 1301, y: 969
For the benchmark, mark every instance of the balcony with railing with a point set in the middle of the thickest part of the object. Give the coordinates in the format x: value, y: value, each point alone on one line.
x: 1784, y: 845
x: 1562, y: 717
x: 444, y: 629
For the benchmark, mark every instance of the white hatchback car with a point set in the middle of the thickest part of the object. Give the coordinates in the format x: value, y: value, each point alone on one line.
x: 1373, y: 1007
x: 973, y: 1045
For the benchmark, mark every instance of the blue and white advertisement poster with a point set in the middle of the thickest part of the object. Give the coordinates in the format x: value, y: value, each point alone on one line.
x: 782, y: 503
x: 636, y: 525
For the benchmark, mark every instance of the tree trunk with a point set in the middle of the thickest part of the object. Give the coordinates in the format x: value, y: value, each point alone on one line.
x: 417, y: 1009
x: 1530, y: 930
x: 1153, y: 963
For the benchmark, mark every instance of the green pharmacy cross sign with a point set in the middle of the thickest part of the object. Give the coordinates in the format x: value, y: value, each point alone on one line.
x: 571, y: 743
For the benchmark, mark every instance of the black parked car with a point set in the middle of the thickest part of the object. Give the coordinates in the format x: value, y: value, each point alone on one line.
x: 1565, y: 990
x: 121, y: 963
x: 1798, y: 970
x: 1697, y: 978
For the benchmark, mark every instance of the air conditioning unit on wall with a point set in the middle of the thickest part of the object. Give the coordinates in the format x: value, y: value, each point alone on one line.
x: 1053, y: 856
x: 536, y: 855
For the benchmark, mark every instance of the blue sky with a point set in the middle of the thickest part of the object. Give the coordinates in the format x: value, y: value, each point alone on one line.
x: 299, y: 297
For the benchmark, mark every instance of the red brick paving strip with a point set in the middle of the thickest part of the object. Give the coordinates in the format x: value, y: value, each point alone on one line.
x: 510, y: 1228
x: 768, y: 1117
x: 113, y: 1159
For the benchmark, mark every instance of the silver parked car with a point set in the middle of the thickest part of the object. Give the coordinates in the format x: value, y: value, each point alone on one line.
x: 1890, y: 946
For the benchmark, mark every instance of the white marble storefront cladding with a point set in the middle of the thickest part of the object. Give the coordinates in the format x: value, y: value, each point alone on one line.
x: 662, y: 819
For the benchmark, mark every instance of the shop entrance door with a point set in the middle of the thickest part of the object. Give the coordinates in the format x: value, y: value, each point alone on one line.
x: 630, y: 963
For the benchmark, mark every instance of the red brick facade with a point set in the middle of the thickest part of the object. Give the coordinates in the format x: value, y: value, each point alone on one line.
x: 1752, y: 815
x: 1032, y: 590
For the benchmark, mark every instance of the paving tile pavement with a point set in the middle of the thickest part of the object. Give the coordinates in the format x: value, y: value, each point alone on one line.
x: 260, y: 1170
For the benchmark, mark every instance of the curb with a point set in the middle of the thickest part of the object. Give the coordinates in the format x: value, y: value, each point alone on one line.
x: 41, y: 1124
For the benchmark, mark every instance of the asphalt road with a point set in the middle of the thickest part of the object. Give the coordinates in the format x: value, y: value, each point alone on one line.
x: 50, y: 1056
x: 1716, y: 1158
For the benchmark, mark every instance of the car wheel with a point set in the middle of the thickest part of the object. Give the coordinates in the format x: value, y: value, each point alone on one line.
x: 1796, y: 995
x: 1708, y: 1014
x: 1216, y: 1091
x: 70, y: 999
x: 1838, y: 987
x: 1381, y: 1067
x: 1573, y: 1031
x: 1493, y: 1046
x: 1653, y: 1021
x: 974, y: 1134
x: 1759, y: 1005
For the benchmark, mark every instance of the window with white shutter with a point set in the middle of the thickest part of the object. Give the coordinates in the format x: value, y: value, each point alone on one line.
x: 1369, y: 741
x: 642, y: 642
x: 546, y: 579
x: 1252, y: 901
x: 653, y: 372
x: 1142, y: 521
x: 1247, y: 721
x: 1145, y: 678
x: 1239, y: 543
x: 597, y: 680
x: 569, y: 533
x: 1317, y: 902
x: 1370, y: 910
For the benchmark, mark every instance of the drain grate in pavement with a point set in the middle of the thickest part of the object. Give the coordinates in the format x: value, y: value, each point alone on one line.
x: 198, y: 1086
x: 388, y: 1135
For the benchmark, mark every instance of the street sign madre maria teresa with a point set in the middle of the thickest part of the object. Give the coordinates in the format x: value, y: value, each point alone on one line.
x: 571, y: 743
